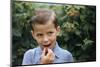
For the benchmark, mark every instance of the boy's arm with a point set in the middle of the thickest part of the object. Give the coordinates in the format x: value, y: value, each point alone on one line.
x: 27, y: 58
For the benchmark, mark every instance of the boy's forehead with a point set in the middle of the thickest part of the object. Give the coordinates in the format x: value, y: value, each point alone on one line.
x: 41, y: 27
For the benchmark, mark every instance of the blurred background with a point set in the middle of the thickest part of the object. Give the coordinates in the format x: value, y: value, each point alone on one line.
x: 78, y: 29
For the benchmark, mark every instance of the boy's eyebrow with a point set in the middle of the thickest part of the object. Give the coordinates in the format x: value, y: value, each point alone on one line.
x: 39, y: 32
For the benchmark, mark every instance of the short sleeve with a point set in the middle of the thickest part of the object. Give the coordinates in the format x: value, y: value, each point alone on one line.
x: 28, y: 57
x: 70, y: 57
x: 67, y: 56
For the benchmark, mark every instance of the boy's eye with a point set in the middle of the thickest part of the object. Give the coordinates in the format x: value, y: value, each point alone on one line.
x: 49, y: 33
x: 39, y: 35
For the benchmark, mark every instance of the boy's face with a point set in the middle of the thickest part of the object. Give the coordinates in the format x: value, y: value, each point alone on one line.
x: 45, y: 34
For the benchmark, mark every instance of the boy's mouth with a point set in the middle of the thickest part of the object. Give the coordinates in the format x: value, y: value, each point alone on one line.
x: 48, y: 45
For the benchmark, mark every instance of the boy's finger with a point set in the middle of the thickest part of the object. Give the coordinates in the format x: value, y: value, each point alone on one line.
x: 43, y: 52
x: 50, y: 52
x: 51, y: 55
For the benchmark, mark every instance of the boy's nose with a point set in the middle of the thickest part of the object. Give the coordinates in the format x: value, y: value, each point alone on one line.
x: 45, y: 39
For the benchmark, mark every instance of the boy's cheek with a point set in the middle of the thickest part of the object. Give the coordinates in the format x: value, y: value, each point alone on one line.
x: 37, y: 39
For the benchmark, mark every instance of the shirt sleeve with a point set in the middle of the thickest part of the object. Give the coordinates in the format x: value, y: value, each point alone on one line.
x: 27, y: 58
x: 70, y: 57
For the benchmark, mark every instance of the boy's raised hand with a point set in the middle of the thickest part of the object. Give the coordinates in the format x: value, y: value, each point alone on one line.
x: 47, y: 56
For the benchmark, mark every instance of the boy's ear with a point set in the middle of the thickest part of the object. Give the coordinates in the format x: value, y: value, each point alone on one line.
x: 58, y: 28
x: 32, y: 33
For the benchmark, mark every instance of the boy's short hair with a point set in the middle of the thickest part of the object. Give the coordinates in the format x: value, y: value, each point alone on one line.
x: 42, y: 16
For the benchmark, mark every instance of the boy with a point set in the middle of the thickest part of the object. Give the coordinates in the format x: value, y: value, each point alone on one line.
x: 44, y: 30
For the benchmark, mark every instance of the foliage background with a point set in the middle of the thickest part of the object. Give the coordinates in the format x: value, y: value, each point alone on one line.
x: 78, y: 25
